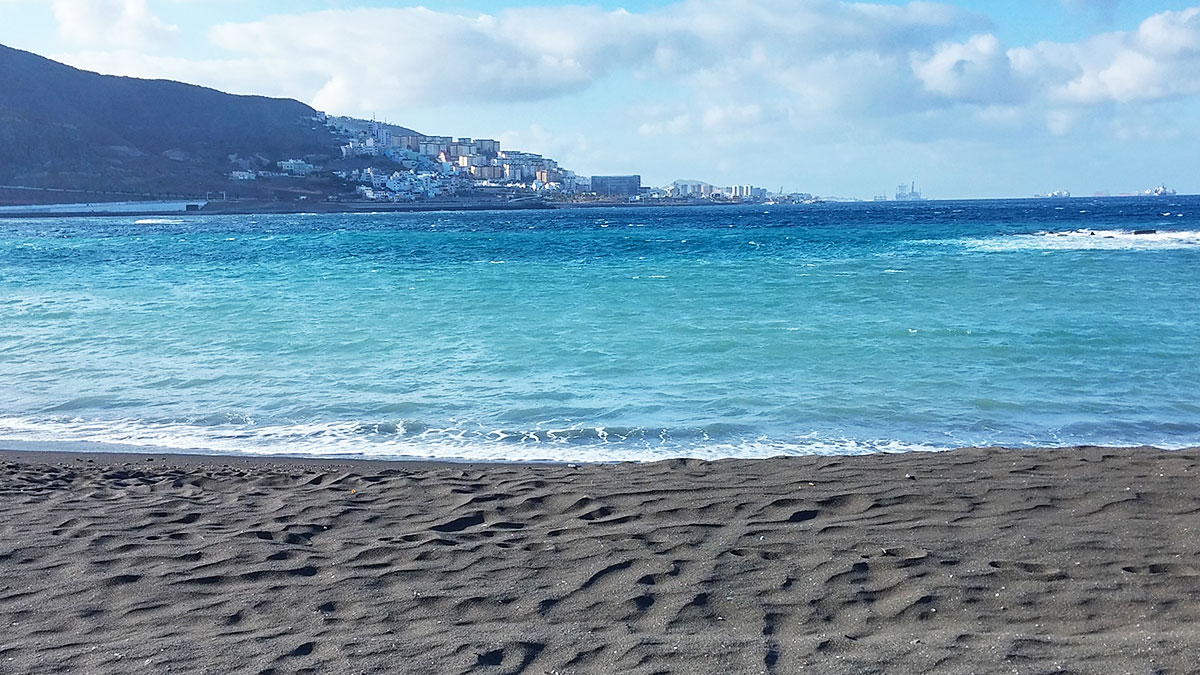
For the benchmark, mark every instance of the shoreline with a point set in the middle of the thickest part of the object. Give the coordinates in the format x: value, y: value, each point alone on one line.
x: 262, y: 207
x: 252, y: 207
x: 269, y: 208
x: 50, y: 452
x: 976, y: 560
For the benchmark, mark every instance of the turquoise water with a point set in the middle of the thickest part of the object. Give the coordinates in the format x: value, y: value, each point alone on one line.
x: 636, y: 333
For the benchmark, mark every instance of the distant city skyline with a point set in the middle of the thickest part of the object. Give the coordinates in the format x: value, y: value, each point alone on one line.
x: 967, y: 98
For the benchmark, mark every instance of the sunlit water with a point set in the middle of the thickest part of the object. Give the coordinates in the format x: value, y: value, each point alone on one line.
x: 634, y: 333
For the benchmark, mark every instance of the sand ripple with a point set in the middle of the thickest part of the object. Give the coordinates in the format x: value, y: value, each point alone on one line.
x: 1079, y: 561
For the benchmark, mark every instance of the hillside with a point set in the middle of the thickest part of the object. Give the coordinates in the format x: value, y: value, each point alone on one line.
x: 62, y: 127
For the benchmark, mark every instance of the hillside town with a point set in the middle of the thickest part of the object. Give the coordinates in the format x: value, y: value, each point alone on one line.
x: 382, y: 163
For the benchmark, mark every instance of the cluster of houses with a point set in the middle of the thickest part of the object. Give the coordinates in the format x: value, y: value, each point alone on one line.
x: 444, y: 163
x: 431, y: 167
x: 288, y: 167
x: 409, y: 185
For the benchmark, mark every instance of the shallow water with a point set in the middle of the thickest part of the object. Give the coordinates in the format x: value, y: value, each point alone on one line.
x: 635, y: 333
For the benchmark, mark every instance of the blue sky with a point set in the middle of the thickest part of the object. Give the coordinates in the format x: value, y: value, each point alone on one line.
x: 968, y: 98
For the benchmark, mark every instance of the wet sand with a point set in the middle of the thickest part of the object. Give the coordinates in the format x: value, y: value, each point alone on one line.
x: 1080, y: 560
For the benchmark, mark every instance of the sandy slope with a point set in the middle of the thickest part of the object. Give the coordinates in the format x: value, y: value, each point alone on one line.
x: 1080, y: 560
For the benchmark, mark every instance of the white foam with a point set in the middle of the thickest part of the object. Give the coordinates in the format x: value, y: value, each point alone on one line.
x: 158, y: 221
x: 352, y: 439
x: 1089, y: 240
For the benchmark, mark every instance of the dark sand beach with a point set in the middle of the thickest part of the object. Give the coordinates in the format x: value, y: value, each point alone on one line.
x: 974, y: 561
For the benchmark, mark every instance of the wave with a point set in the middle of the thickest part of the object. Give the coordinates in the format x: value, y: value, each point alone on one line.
x: 410, y: 439
x: 415, y: 440
x: 1148, y: 239
x: 158, y: 221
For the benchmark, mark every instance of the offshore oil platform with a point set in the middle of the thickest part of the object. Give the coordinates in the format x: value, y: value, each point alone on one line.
x: 908, y: 193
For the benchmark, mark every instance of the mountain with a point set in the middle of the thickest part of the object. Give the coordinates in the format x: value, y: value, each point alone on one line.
x: 61, y: 127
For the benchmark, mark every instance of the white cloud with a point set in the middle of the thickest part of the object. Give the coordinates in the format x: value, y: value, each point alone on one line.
x: 676, y: 125
x: 567, y: 148
x: 1171, y: 34
x: 1157, y: 62
x: 727, y: 118
x: 1160, y: 60
x: 730, y: 69
x: 371, y: 59
x: 1061, y: 122
x: 977, y: 70
x: 116, y: 23
x: 1104, y: 8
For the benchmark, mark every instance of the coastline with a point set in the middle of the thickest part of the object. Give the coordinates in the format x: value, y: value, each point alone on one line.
x: 251, y: 207
x: 972, y: 560
x: 49, y: 452
x: 285, y: 208
x: 262, y: 207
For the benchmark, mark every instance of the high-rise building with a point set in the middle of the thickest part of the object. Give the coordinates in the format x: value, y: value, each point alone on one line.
x: 617, y: 186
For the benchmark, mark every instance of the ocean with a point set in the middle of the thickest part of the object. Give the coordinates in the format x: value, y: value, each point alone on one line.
x: 607, y: 334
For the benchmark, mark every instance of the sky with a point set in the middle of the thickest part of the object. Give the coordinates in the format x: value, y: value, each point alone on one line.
x: 968, y: 98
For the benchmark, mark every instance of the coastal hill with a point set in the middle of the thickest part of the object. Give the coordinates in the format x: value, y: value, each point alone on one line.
x: 65, y: 128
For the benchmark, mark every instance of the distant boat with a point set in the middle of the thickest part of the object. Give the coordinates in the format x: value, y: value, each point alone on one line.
x: 1159, y: 191
x: 1057, y: 194
x: 881, y: 198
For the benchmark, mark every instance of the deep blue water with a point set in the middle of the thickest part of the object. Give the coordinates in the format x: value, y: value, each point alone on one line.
x: 634, y: 333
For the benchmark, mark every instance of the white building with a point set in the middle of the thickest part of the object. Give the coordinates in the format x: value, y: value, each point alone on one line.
x: 376, y: 178
x: 367, y: 147
x: 296, y: 167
